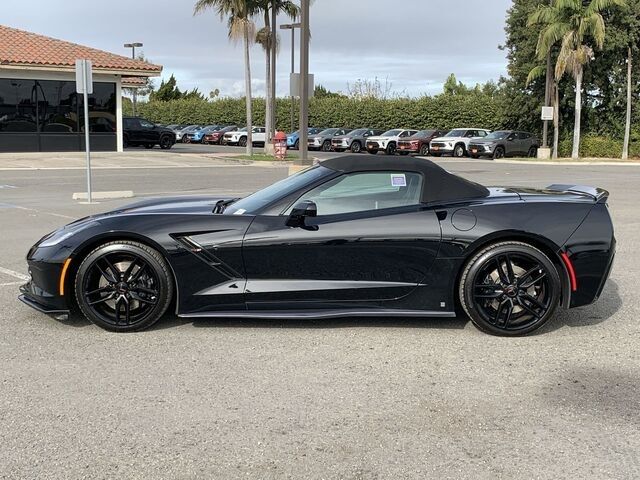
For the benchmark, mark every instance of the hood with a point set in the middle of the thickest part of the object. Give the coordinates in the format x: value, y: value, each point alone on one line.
x: 378, y: 138
x: 445, y: 139
x: 186, y: 205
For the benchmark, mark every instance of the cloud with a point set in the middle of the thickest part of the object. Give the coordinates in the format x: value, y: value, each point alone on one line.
x: 416, y: 44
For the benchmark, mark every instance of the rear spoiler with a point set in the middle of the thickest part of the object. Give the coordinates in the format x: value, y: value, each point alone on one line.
x: 598, y: 194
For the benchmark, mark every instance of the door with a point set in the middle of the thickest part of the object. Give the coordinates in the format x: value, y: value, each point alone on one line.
x: 148, y: 132
x: 132, y: 129
x: 371, y: 242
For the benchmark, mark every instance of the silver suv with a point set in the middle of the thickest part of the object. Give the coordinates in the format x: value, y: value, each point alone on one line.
x: 456, y: 142
x: 504, y: 143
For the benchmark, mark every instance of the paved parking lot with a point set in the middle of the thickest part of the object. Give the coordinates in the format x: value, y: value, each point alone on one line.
x: 354, y: 399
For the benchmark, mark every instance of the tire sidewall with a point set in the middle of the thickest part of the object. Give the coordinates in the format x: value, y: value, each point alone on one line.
x: 473, y: 267
x: 154, y: 260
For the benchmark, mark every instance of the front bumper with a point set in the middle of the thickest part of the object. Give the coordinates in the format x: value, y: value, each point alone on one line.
x: 41, y: 300
x: 439, y: 149
x: 480, y: 149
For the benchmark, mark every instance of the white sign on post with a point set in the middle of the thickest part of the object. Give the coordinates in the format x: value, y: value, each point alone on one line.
x: 547, y: 113
x: 295, y: 85
x: 84, y: 85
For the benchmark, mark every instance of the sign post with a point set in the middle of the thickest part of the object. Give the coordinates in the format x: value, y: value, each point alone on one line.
x: 84, y: 85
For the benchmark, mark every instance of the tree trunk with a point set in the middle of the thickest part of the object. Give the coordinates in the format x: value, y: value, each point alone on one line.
x: 247, y: 84
x: 267, y: 84
x: 575, y: 153
x: 627, y: 126
x: 556, y: 119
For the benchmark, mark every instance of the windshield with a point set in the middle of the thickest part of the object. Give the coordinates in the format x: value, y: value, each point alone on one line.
x: 357, y: 133
x: 392, y: 133
x: 497, y: 135
x: 456, y: 133
x: 424, y: 133
x: 328, y: 131
x: 257, y: 201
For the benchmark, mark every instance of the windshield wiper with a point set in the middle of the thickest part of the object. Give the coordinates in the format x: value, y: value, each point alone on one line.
x: 221, y: 205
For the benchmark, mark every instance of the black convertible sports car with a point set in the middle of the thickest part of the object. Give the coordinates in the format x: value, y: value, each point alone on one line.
x: 351, y: 236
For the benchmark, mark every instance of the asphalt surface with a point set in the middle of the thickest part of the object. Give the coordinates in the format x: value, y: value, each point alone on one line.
x: 351, y: 398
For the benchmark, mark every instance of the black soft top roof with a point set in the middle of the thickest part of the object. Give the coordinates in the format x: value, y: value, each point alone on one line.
x: 439, y: 185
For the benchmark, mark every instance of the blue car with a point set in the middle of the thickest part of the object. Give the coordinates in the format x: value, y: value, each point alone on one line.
x: 293, y: 139
x: 198, y: 135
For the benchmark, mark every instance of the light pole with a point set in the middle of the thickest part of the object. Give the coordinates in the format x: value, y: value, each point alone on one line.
x: 133, y: 46
x: 292, y: 27
x: 304, y: 83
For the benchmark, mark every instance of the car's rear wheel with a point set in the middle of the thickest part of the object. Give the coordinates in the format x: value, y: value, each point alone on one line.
x: 124, y: 286
x: 498, y: 153
x: 459, y: 150
x: 509, y: 288
x: 533, y: 152
x: 165, y: 142
x: 296, y: 145
x: 424, y: 150
x: 356, y: 147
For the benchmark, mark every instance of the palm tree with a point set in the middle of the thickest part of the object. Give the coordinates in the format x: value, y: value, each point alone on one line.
x: 570, y: 22
x: 267, y: 38
x: 241, y: 28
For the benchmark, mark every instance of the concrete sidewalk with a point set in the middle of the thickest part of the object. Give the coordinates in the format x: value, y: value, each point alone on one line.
x: 128, y: 159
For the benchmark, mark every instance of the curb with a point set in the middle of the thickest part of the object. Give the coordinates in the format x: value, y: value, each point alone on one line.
x: 103, y: 195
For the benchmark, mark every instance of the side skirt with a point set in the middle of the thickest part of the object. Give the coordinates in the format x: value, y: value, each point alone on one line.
x: 319, y: 314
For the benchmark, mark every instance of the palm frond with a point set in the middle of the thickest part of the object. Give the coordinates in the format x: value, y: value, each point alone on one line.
x: 549, y: 36
x: 535, y: 73
x: 543, y: 15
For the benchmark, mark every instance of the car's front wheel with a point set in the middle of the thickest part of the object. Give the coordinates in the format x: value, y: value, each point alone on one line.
x: 326, y: 146
x: 459, y: 150
x: 424, y: 150
x: 391, y: 149
x: 243, y: 142
x: 165, y: 142
x: 509, y: 288
x: 124, y: 286
x: 356, y: 147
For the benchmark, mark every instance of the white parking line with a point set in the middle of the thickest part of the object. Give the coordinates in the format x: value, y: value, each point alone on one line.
x: 14, y: 274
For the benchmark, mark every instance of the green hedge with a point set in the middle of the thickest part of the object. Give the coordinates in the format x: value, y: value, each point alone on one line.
x: 592, y: 146
x: 442, y: 111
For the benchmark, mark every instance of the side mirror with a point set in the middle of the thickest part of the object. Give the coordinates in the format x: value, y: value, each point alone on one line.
x: 301, y: 211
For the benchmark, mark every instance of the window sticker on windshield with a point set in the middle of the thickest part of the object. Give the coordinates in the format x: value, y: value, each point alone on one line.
x: 240, y: 211
x: 398, y: 180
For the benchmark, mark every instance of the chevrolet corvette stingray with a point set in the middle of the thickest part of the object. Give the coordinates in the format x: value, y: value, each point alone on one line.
x: 348, y: 237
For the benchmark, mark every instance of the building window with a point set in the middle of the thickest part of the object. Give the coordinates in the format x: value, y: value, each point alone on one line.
x: 17, y: 106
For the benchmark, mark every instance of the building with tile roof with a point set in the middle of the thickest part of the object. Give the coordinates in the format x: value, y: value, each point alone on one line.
x: 39, y: 107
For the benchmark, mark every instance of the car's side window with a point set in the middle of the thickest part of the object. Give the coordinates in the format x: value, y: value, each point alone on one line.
x: 145, y: 124
x: 469, y: 134
x: 481, y: 133
x: 366, y: 191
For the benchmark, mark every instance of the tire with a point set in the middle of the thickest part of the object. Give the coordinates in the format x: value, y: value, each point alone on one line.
x: 391, y: 149
x: 533, y: 152
x: 509, y: 288
x: 296, y: 145
x: 242, y: 142
x: 148, y: 146
x: 326, y: 146
x: 498, y: 153
x: 103, y: 291
x: 356, y: 146
x: 125, y: 142
x: 424, y: 150
x: 165, y: 142
x: 459, y: 150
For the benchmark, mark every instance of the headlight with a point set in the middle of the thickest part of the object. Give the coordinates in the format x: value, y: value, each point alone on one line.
x: 59, y: 236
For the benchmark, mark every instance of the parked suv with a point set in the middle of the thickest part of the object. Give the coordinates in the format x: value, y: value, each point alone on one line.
x: 216, y: 136
x: 138, y: 131
x: 504, y: 143
x: 293, y: 139
x: 181, y: 135
x: 322, y: 140
x: 456, y: 142
x: 418, y: 143
x: 239, y: 137
x: 354, y: 140
x: 388, y: 141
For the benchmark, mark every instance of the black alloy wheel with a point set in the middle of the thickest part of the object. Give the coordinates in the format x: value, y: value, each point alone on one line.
x: 509, y: 289
x: 391, y: 149
x: 533, y: 152
x: 123, y: 286
x: 326, y: 146
x: 459, y: 150
x: 165, y: 142
x: 424, y: 150
x: 356, y: 147
x: 498, y: 153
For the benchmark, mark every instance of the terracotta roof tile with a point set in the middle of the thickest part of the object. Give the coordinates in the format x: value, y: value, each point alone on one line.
x: 18, y: 47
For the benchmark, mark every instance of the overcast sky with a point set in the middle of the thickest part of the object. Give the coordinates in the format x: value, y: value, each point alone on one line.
x: 416, y: 44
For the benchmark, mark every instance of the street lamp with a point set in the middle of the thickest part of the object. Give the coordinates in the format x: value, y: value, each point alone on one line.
x: 304, y: 83
x: 292, y: 27
x: 133, y: 46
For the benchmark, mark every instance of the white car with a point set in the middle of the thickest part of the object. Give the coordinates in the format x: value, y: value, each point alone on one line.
x: 239, y: 137
x: 388, y: 141
x: 456, y: 142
